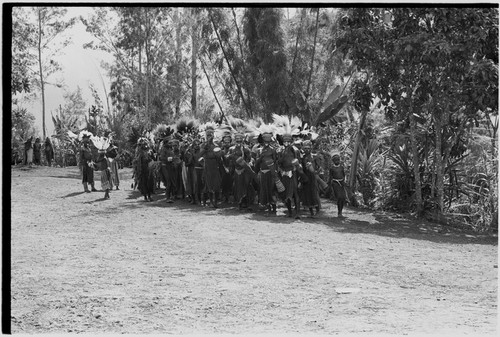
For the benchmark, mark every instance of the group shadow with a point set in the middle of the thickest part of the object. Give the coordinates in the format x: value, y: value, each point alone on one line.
x: 377, y: 223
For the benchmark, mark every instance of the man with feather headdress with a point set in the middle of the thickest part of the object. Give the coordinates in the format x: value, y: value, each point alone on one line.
x: 212, y: 159
x: 187, y: 130
x: 166, y: 156
x: 240, y: 163
x: 145, y: 176
x: 86, y: 162
x: 265, y: 165
x: 309, y: 191
x: 227, y: 174
x: 289, y: 161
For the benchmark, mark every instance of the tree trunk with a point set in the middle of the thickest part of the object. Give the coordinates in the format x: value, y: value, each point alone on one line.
x: 297, y: 42
x: 42, y: 83
x: 307, y: 114
x: 249, y: 112
x: 416, y: 162
x: 194, y: 57
x: 245, y: 72
x: 210, y: 85
x: 178, y: 59
x: 438, y: 125
x: 354, y: 159
x: 312, y: 56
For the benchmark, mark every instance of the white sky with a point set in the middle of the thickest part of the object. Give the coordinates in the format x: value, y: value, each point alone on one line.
x: 80, y: 67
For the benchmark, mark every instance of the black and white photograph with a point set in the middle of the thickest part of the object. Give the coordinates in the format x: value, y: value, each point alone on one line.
x: 242, y: 168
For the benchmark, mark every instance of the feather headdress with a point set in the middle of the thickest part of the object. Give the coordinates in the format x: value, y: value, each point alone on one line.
x: 134, y: 136
x: 222, y: 131
x: 240, y: 128
x: 286, y: 126
x: 185, y: 125
x: 208, y: 126
x: 162, y: 131
x: 150, y: 137
x: 187, y: 128
x: 101, y: 143
x: 143, y: 141
x: 266, y: 132
x: 308, y: 132
x: 256, y: 122
x: 84, y: 133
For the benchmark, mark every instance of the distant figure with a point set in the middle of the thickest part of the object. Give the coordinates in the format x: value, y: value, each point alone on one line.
x: 144, y: 175
x: 337, y: 181
x: 85, y: 161
x: 28, y: 148
x: 104, y: 166
x: 37, y: 152
x: 49, y: 151
x: 112, y: 155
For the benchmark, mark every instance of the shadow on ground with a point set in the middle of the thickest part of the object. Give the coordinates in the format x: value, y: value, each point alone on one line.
x: 396, y: 226
x: 358, y: 221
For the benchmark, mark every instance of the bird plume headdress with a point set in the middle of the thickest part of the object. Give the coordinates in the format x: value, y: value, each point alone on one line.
x: 101, y: 143
x: 222, y: 131
x: 162, y: 131
x: 308, y: 132
x: 208, y: 126
x: 239, y: 126
x: 267, y: 132
x: 287, y: 126
x: 186, y: 128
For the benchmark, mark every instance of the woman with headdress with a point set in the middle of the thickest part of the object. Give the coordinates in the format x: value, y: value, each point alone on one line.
x: 265, y: 166
x: 49, y: 151
x: 86, y: 162
x: 212, y: 159
x: 145, y: 175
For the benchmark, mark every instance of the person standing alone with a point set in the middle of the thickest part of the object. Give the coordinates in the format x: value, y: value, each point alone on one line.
x: 337, y: 182
x: 28, y: 150
x: 37, y: 152
x: 49, y: 151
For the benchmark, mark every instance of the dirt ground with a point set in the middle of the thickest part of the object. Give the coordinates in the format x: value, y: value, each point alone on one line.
x: 84, y: 264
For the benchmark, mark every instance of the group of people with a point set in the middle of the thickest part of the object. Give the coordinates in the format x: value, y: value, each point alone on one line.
x: 33, y: 151
x: 106, y: 163
x: 239, y: 162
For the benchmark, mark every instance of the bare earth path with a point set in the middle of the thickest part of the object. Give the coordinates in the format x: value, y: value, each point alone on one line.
x: 84, y: 264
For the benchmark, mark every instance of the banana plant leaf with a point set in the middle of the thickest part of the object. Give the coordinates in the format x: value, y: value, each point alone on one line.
x: 334, y: 109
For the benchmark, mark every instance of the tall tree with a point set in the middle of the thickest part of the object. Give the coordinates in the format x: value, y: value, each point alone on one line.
x: 51, y: 23
x: 267, y: 57
x: 74, y: 104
